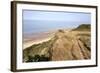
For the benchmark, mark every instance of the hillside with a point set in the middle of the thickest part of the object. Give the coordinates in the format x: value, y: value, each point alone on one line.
x: 83, y: 27
x: 65, y: 45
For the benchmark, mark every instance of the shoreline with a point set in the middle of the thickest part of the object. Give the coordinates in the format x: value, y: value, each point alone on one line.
x: 40, y: 38
x: 30, y: 43
x: 32, y: 39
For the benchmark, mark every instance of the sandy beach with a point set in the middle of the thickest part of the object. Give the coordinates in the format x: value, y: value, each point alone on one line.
x: 30, y: 43
x: 31, y: 39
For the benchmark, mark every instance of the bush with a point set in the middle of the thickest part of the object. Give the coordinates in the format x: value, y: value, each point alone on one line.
x: 37, y: 58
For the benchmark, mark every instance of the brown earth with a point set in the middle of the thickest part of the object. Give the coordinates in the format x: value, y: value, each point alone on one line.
x: 69, y: 47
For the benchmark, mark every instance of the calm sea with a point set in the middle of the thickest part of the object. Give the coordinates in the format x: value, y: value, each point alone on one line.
x: 37, y: 26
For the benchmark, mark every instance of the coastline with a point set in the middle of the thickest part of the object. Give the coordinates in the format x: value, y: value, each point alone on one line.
x: 30, y: 43
x: 37, y: 38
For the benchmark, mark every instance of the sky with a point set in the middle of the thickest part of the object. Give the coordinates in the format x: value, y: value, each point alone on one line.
x: 42, y: 20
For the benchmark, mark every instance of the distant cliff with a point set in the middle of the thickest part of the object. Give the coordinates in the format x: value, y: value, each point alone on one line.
x: 83, y: 27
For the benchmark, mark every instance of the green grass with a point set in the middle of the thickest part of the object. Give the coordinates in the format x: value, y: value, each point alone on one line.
x: 83, y: 27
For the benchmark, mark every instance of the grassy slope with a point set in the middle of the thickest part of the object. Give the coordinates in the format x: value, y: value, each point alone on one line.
x: 83, y: 27
x: 41, y: 49
x: 63, y: 46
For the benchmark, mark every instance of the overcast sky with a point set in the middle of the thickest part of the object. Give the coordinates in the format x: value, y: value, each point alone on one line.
x: 41, y: 21
x: 57, y: 16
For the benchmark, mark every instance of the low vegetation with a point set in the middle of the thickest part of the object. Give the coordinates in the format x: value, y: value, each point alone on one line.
x: 83, y: 27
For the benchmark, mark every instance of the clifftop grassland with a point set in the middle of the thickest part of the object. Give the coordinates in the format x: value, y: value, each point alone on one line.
x: 83, y: 27
x: 74, y: 44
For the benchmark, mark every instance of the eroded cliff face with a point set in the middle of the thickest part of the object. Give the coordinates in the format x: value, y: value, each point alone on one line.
x: 71, y: 46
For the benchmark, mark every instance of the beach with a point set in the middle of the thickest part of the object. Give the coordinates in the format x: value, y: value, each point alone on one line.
x: 30, y: 43
x: 32, y: 39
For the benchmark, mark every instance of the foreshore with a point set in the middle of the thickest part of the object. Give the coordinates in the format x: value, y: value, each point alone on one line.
x: 30, y: 43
